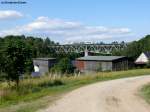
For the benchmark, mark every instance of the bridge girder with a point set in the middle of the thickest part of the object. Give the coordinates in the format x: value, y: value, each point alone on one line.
x: 96, y: 48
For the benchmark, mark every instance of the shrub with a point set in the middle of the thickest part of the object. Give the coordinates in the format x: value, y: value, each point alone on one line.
x: 148, y: 64
x: 58, y: 82
x: 64, y: 66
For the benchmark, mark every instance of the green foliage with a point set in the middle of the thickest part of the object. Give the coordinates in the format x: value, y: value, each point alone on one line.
x: 148, y: 64
x: 1, y: 54
x: 135, y: 48
x: 17, y: 52
x: 15, y: 55
x: 29, y: 89
x: 32, y: 90
x: 145, y: 92
x: 40, y: 47
x: 63, y: 66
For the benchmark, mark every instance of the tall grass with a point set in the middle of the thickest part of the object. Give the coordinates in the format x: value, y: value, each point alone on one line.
x: 34, y: 88
x: 26, y: 87
x: 145, y: 92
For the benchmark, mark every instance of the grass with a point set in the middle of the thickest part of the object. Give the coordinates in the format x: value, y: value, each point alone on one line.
x: 34, y: 94
x: 145, y: 92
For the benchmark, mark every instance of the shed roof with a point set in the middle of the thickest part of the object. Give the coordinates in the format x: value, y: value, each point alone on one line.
x: 100, y: 58
x: 44, y: 59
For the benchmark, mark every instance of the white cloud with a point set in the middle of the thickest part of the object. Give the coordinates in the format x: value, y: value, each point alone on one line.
x: 68, y: 31
x: 44, y: 23
x: 9, y: 14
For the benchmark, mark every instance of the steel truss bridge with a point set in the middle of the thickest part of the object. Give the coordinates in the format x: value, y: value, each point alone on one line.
x: 95, y: 48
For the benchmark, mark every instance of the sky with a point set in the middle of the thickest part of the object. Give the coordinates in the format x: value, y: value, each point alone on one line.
x: 68, y: 21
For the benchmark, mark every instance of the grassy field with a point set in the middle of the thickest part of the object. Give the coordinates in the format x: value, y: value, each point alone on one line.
x: 34, y: 94
x: 145, y: 92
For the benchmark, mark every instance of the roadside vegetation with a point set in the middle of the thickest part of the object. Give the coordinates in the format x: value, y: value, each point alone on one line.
x: 36, y: 93
x: 17, y: 52
x: 145, y: 92
x: 30, y: 94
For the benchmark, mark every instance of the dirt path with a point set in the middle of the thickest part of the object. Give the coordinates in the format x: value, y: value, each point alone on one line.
x: 111, y: 96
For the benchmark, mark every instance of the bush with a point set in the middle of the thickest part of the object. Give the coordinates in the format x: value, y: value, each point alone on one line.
x: 2, y: 76
x: 148, y: 64
x: 57, y: 82
x: 64, y: 66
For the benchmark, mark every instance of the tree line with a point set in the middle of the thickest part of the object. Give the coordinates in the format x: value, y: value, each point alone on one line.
x: 17, y: 52
x: 135, y: 48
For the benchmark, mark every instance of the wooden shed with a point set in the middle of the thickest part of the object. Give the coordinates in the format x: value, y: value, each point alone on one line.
x: 42, y: 65
x: 101, y: 63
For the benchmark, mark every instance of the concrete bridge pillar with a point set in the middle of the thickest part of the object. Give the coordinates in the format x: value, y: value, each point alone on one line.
x: 86, y: 53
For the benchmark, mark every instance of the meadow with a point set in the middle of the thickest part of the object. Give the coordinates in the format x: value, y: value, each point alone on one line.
x: 36, y: 93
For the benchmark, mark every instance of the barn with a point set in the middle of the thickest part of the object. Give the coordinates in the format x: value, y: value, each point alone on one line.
x: 143, y: 59
x: 42, y: 65
x: 101, y: 63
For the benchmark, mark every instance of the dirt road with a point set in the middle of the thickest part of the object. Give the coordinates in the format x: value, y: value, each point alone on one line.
x: 119, y: 95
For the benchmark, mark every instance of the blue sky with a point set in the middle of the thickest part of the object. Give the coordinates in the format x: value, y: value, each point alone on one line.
x: 78, y: 20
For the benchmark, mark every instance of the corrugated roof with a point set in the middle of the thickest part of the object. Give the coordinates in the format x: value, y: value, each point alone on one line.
x: 147, y: 54
x: 100, y: 58
x: 46, y: 59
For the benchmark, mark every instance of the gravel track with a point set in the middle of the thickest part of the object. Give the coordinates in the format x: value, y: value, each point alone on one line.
x: 119, y: 95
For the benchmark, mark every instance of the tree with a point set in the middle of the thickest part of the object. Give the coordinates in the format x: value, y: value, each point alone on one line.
x: 63, y: 66
x: 47, y: 51
x: 15, y: 57
x: 148, y: 64
x: 1, y: 54
x: 135, y: 48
